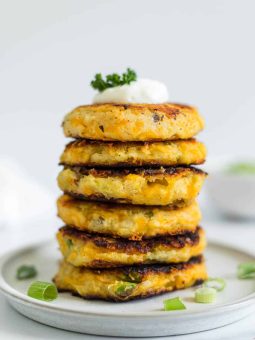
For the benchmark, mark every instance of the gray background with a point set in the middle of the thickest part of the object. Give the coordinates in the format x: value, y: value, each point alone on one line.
x: 49, y: 51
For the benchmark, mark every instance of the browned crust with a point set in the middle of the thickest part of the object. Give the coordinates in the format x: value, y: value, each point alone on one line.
x: 77, y: 198
x: 138, y: 237
x: 169, y: 109
x: 129, y: 164
x: 101, y: 198
x: 130, y: 247
x: 83, y: 142
x: 109, y: 172
x: 145, y: 270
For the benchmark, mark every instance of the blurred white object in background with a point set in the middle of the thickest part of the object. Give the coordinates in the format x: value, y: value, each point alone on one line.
x: 22, y: 199
x: 232, y: 193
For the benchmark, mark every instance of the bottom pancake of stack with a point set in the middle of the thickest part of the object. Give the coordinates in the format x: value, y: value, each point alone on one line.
x: 128, y: 283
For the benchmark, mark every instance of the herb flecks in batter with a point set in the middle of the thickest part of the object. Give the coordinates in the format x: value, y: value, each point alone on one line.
x: 125, y: 288
x: 101, y: 127
x: 69, y: 243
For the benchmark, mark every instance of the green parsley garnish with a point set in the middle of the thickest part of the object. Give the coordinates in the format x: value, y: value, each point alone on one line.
x: 26, y: 272
x: 113, y: 80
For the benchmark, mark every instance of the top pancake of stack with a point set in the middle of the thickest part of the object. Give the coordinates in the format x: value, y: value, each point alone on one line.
x: 133, y: 122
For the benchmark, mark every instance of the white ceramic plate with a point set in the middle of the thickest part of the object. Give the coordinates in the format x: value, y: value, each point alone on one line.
x: 134, y: 319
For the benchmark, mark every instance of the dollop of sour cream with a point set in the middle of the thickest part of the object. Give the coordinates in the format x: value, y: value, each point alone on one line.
x: 139, y: 91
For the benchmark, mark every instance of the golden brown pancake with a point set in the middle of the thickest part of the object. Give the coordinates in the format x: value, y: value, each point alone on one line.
x: 97, y: 251
x: 133, y: 122
x: 163, y: 186
x: 127, y: 221
x: 116, y: 154
x: 128, y: 283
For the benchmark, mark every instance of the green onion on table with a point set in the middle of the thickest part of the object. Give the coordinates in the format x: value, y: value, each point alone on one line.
x: 44, y: 291
x: 205, y: 295
x: 174, y: 304
x: 26, y: 272
x: 217, y: 283
x: 246, y: 270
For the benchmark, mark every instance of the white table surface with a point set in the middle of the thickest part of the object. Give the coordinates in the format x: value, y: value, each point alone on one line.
x: 16, y: 326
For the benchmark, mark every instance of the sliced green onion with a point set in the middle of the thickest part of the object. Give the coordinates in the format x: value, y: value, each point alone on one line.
x: 174, y: 304
x: 205, y: 295
x: 44, y: 291
x: 246, y: 270
x: 26, y: 272
x: 124, y: 288
x: 216, y: 283
x: 69, y: 243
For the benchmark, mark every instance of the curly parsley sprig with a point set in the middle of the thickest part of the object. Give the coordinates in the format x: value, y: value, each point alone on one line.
x: 113, y: 80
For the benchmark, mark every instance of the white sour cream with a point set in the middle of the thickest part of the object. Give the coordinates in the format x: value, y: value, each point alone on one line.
x: 140, y: 91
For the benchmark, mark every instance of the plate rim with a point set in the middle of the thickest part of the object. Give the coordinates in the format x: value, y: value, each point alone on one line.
x: 11, y: 293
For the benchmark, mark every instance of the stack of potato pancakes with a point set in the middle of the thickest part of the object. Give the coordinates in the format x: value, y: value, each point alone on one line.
x: 129, y: 204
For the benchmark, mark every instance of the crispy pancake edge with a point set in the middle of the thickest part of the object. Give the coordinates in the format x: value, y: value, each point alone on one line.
x: 143, y: 171
x: 128, y: 246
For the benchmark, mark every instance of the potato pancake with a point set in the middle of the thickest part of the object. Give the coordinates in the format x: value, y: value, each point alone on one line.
x: 116, y: 154
x: 128, y: 283
x: 128, y: 221
x: 133, y: 122
x: 163, y: 186
x: 97, y: 251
